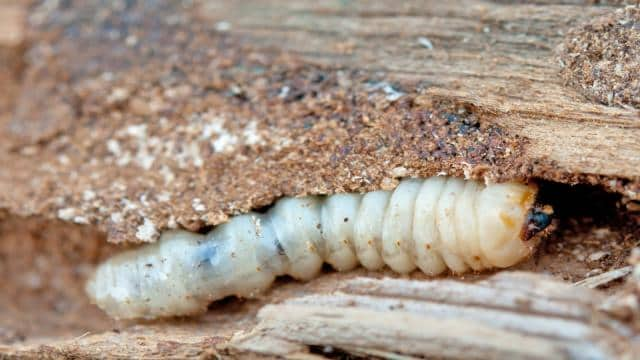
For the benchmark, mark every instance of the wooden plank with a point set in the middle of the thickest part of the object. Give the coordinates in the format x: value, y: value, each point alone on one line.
x: 497, y: 57
x: 445, y: 319
x: 232, y: 61
x: 236, y: 104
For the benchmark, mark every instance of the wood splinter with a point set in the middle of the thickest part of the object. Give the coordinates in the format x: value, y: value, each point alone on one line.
x: 509, y: 316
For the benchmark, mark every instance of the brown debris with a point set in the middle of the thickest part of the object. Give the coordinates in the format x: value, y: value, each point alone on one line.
x: 602, y: 58
x: 12, y: 46
x: 12, y: 27
x: 44, y: 265
x: 138, y: 116
x: 118, y: 136
x: 143, y: 118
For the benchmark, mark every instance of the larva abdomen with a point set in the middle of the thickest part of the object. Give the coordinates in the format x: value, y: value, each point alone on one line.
x: 397, y: 227
x: 338, y: 216
x: 434, y: 224
x: 367, y: 230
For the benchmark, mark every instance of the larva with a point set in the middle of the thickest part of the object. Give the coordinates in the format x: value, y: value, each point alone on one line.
x: 435, y: 224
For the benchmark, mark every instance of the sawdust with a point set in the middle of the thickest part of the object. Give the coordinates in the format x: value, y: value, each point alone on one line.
x: 166, y: 122
x: 602, y: 58
x: 138, y: 120
x: 132, y: 124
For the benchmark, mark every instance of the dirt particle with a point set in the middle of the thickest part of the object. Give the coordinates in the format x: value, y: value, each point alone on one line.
x: 147, y: 231
x: 399, y: 172
x: 197, y: 205
x: 66, y: 214
x: 598, y: 255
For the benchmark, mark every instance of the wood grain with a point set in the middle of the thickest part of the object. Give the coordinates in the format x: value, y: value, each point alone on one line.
x: 498, y: 57
x: 495, y: 58
x: 511, y: 315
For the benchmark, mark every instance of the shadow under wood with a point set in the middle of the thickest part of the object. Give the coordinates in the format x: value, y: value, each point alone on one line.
x: 594, y: 233
x: 43, y: 265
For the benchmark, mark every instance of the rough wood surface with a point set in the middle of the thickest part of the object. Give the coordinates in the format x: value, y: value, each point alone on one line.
x: 130, y: 113
x: 512, y: 315
x: 497, y: 57
x: 601, y: 56
x: 130, y: 119
x: 12, y: 23
x: 12, y: 44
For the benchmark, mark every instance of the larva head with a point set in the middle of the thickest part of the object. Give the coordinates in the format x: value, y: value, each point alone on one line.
x: 538, y: 220
x: 504, y: 214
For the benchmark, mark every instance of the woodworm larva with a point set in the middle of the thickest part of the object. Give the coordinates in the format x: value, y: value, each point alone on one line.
x: 435, y: 224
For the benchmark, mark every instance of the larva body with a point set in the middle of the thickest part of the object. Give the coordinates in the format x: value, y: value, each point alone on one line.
x: 435, y: 224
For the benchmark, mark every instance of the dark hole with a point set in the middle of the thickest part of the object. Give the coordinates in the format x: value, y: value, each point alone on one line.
x: 330, y: 352
x: 580, y: 201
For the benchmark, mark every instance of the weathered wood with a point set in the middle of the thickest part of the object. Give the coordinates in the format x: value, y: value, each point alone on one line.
x: 120, y: 108
x: 235, y: 104
x: 497, y: 57
x: 542, y: 319
x: 603, y: 279
x: 12, y: 23
x: 12, y: 44
x: 514, y: 315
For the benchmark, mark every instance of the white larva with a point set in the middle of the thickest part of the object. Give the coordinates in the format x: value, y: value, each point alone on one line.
x: 435, y: 224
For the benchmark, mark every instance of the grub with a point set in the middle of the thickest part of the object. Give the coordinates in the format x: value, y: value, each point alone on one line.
x: 130, y: 110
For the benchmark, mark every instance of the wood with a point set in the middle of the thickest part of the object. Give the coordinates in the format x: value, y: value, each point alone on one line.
x: 12, y: 45
x: 497, y: 57
x: 603, y: 279
x: 12, y: 23
x: 511, y: 315
x: 494, y: 59
x: 108, y: 101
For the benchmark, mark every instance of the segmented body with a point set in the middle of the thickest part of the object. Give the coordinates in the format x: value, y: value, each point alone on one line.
x: 435, y: 224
